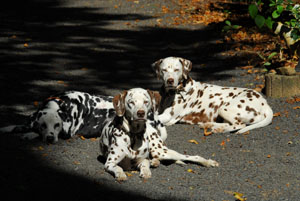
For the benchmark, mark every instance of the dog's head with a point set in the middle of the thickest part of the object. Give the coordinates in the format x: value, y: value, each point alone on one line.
x: 135, y: 105
x: 172, y: 70
x: 48, y: 122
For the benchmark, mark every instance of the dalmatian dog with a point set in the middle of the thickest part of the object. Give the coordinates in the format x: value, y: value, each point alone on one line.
x: 132, y: 139
x: 67, y: 114
x: 221, y: 109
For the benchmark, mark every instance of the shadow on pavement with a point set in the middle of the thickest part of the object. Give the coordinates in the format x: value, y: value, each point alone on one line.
x: 47, y: 47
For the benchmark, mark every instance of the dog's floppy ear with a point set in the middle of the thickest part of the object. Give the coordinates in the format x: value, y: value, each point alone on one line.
x: 187, y: 67
x: 155, y: 99
x: 119, y: 103
x: 156, y: 67
x: 32, y: 121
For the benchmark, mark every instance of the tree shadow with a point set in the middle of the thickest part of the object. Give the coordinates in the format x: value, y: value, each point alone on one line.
x: 47, y: 47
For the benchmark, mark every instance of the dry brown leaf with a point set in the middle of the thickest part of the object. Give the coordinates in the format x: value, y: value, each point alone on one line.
x: 76, y: 162
x: 247, y: 67
x: 36, y: 103
x: 239, y: 196
x: 191, y: 171
x: 276, y: 114
x: 193, y: 141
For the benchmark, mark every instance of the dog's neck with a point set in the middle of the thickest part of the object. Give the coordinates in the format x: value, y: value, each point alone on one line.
x: 168, y: 96
x: 132, y: 128
x: 135, y: 131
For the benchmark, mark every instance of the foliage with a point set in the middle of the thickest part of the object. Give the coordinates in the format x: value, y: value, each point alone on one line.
x: 230, y: 26
x: 275, y: 9
x: 267, y: 60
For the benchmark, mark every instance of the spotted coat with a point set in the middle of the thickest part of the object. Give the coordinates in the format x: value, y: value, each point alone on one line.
x: 222, y: 109
x: 132, y: 139
x: 71, y: 113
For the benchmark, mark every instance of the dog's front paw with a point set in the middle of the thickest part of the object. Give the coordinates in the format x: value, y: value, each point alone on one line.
x: 121, y: 176
x: 145, y: 173
x: 211, y: 163
x: 155, y: 162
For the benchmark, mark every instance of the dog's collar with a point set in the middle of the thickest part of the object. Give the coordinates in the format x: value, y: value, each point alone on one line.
x: 54, y: 98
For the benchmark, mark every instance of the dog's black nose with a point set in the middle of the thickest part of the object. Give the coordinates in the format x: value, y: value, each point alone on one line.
x: 50, y: 139
x: 141, y: 113
x: 170, y: 81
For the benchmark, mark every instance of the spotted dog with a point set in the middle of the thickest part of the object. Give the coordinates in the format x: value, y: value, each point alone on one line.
x: 222, y: 109
x: 132, y: 140
x: 67, y: 114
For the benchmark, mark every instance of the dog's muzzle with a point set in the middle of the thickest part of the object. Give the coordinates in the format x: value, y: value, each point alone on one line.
x: 50, y: 139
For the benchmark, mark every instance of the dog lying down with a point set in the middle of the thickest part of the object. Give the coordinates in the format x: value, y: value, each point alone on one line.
x: 133, y: 139
x: 65, y: 115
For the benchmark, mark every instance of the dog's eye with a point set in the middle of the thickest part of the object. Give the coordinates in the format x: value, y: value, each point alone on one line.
x: 164, y: 70
x: 176, y: 70
x: 146, y: 102
x: 131, y: 103
x: 56, y: 125
x: 43, y: 126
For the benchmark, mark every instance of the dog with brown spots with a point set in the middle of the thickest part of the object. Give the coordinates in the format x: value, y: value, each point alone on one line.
x: 221, y: 109
x: 132, y: 139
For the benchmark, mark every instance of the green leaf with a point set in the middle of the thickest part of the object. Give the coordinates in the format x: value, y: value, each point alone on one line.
x: 269, y: 22
x: 272, y: 55
x: 261, y: 56
x: 226, y: 28
x: 279, y: 9
x: 253, y: 10
x: 259, y: 21
x: 228, y: 22
x: 275, y: 14
x: 267, y: 64
x: 236, y: 26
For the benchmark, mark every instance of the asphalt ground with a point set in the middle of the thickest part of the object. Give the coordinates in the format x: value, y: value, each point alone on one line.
x: 103, y: 47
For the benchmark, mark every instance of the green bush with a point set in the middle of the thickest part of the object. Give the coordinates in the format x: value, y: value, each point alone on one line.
x: 275, y: 8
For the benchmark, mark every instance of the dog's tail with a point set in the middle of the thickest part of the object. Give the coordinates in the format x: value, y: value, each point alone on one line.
x: 266, y: 121
x: 15, y: 129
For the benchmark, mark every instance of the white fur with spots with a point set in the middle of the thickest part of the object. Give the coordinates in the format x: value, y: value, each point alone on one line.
x: 192, y: 102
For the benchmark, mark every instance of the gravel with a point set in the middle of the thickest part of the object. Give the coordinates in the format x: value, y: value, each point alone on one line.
x: 106, y: 46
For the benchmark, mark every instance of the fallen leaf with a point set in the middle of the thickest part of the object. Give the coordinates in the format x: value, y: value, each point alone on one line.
x: 191, y: 171
x: 36, y: 103
x: 239, y: 196
x: 276, y: 114
x: 128, y: 174
x: 223, y: 143
x: 25, y: 44
x: 297, y: 107
x: 83, y: 138
x: 76, y: 162
x: 277, y: 128
x: 41, y: 148
x: 269, y: 156
x: 93, y: 139
x: 60, y: 82
x: 193, y: 141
